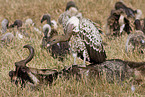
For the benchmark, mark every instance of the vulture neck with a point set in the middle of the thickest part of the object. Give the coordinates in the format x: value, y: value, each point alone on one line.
x: 62, y: 38
x: 48, y: 21
x: 59, y: 38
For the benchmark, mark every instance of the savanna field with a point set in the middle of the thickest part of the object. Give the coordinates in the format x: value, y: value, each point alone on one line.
x: 96, y: 10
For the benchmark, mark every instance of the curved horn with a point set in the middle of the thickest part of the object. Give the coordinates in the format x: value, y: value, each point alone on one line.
x: 31, y: 55
x: 28, y: 59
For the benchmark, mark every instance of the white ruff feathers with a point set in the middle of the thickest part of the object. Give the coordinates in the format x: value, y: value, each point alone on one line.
x: 139, y: 14
x: 75, y: 21
x: 54, y: 23
x: 47, y: 26
x: 29, y: 22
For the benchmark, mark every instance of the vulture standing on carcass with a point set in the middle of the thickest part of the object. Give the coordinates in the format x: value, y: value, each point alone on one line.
x: 85, y: 42
x: 71, y: 10
x: 58, y: 50
x: 87, y: 39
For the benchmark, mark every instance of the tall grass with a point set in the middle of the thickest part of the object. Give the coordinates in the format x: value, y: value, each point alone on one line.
x: 96, y: 10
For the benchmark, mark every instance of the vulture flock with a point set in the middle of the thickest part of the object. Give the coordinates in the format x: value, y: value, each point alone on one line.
x: 81, y: 38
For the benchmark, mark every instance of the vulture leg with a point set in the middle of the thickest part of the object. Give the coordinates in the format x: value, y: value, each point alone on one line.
x: 84, y: 55
x: 75, y: 56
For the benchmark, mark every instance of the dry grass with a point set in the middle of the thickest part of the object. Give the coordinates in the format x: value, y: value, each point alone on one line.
x: 96, y: 10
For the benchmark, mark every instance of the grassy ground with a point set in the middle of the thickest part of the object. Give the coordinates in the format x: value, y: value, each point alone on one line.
x: 96, y: 10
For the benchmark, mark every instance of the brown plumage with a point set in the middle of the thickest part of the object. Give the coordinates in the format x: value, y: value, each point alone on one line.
x: 89, y: 34
x: 47, y: 18
x: 121, y: 19
x: 115, y: 21
x: 17, y: 23
x: 59, y: 50
x: 140, y: 25
x: 129, y: 12
x: 137, y: 24
x: 70, y: 4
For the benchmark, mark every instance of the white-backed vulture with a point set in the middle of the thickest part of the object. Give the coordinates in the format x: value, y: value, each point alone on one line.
x: 59, y: 50
x: 52, y: 23
x: 20, y: 29
x: 88, y: 34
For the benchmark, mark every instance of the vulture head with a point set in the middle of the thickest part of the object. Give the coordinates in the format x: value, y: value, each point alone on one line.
x: 47, y: 18
x: 17, y: 23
